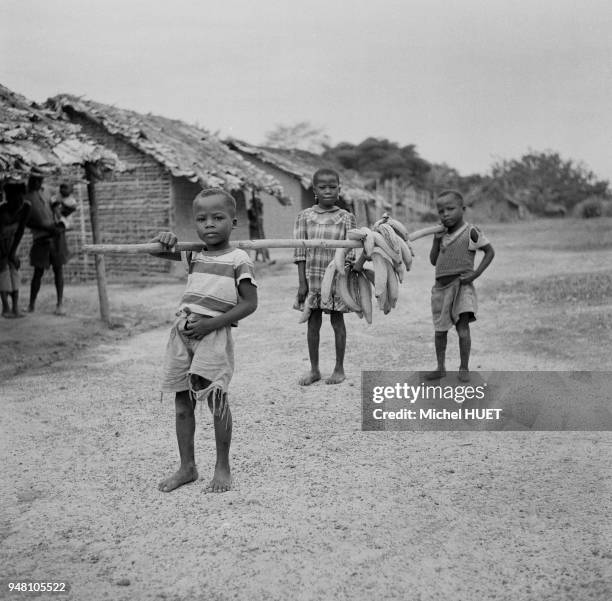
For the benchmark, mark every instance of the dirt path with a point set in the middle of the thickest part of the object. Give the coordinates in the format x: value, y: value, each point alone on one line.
x: 321, y: 510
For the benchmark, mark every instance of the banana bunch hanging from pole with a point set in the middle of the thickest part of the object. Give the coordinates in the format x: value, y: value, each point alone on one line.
x: 387, y: 246
x: 351, y: 286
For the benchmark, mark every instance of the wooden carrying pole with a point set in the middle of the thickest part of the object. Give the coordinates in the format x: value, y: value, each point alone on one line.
x: 154, y: 247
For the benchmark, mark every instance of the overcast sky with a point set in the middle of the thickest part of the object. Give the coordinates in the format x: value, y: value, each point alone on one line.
x: 467, y: 81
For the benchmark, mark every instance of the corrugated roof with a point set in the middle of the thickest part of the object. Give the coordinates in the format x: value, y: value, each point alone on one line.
x: 302, y: 164
x: 32, y: 137
x: 185, y: 150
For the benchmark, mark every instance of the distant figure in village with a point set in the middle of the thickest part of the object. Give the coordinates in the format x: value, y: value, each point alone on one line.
x: 49, y: 248
x: 323, y: 220
x: 453, y: 297
x: 256, y: 229
x: 199, y: 363
x: 14, y: 212
x: 64, y: 205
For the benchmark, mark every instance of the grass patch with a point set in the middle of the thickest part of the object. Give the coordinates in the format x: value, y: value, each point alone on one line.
x: 574, y: 235
x: 585, y: 288
x: 558, y: 335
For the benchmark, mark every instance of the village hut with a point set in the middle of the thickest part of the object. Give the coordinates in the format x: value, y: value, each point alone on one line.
x: 170, y: 162
x: 36, y: 140
x: 490, y: 203
x: 294, y: 169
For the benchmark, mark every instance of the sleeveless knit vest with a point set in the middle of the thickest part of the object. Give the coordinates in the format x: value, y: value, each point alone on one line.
x: 456, y: 258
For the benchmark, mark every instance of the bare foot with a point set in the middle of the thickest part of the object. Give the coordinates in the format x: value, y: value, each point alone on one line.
x: 180, y: 477
x: 336, y: 377
x: 18, y: 314
x: 7, y: 314
x: 463, y: 375
x: 312, y: 376
x: 221, y: 482
x: 435, y: 375
x: 59, y: 310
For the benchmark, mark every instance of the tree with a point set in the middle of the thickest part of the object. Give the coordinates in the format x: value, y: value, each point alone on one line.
x: 543, y: 179
x: 443, y: 177
x: 380, y: 159
x: 303, y: 135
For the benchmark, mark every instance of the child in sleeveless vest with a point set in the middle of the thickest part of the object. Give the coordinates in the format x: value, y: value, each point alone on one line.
x: 453, y: 297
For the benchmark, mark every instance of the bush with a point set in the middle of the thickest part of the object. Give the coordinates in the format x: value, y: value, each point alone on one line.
x: 545, y: 178
x: 590, y: 208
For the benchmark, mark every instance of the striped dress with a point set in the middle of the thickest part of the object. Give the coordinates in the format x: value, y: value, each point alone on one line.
x: 316, y: 222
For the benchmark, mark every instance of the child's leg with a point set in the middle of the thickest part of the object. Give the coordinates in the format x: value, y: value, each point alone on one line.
x: 221, y: 481
x: 35, y: 286
x: 314, y: 329
x: 440, y: 340
x: 185, y: 430
x: 15, y: 300
x: 465, y: 345
x: 6, y: 311
x: 58, y: 276
x: 337, y: 322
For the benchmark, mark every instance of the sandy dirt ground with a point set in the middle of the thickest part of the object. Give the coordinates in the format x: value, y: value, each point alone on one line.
x: 320, y: 509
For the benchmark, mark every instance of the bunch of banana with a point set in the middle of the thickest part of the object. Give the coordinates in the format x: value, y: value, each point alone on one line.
x: 351, y: 286
x: 387, y: 246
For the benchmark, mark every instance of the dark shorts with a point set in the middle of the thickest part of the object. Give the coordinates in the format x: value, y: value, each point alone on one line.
x: 46, y: 252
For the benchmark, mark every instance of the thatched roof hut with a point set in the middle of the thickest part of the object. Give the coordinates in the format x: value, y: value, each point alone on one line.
x: 170, y: 163
x: 301, y: 164
x: 294, y: 169
x: 187, y: 151
x: 489, y: 202
x: 35, y: 138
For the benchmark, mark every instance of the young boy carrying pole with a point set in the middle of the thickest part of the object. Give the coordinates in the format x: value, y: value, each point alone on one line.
x: 453, y: 297
x: 199, y: 362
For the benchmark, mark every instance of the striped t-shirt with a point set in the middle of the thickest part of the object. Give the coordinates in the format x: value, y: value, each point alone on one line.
x: 212, y: 284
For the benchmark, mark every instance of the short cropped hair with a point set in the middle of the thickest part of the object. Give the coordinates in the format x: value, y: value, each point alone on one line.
x: 229, y: 199
x: 324, y: 171
x: 455, y: 193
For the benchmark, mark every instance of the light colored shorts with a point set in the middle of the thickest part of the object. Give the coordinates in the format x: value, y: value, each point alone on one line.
x: 212, y: 358
x: 9, y: 279
x: 450, y: 301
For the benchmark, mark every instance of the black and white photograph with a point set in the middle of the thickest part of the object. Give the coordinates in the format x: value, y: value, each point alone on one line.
x: 306, y: 300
